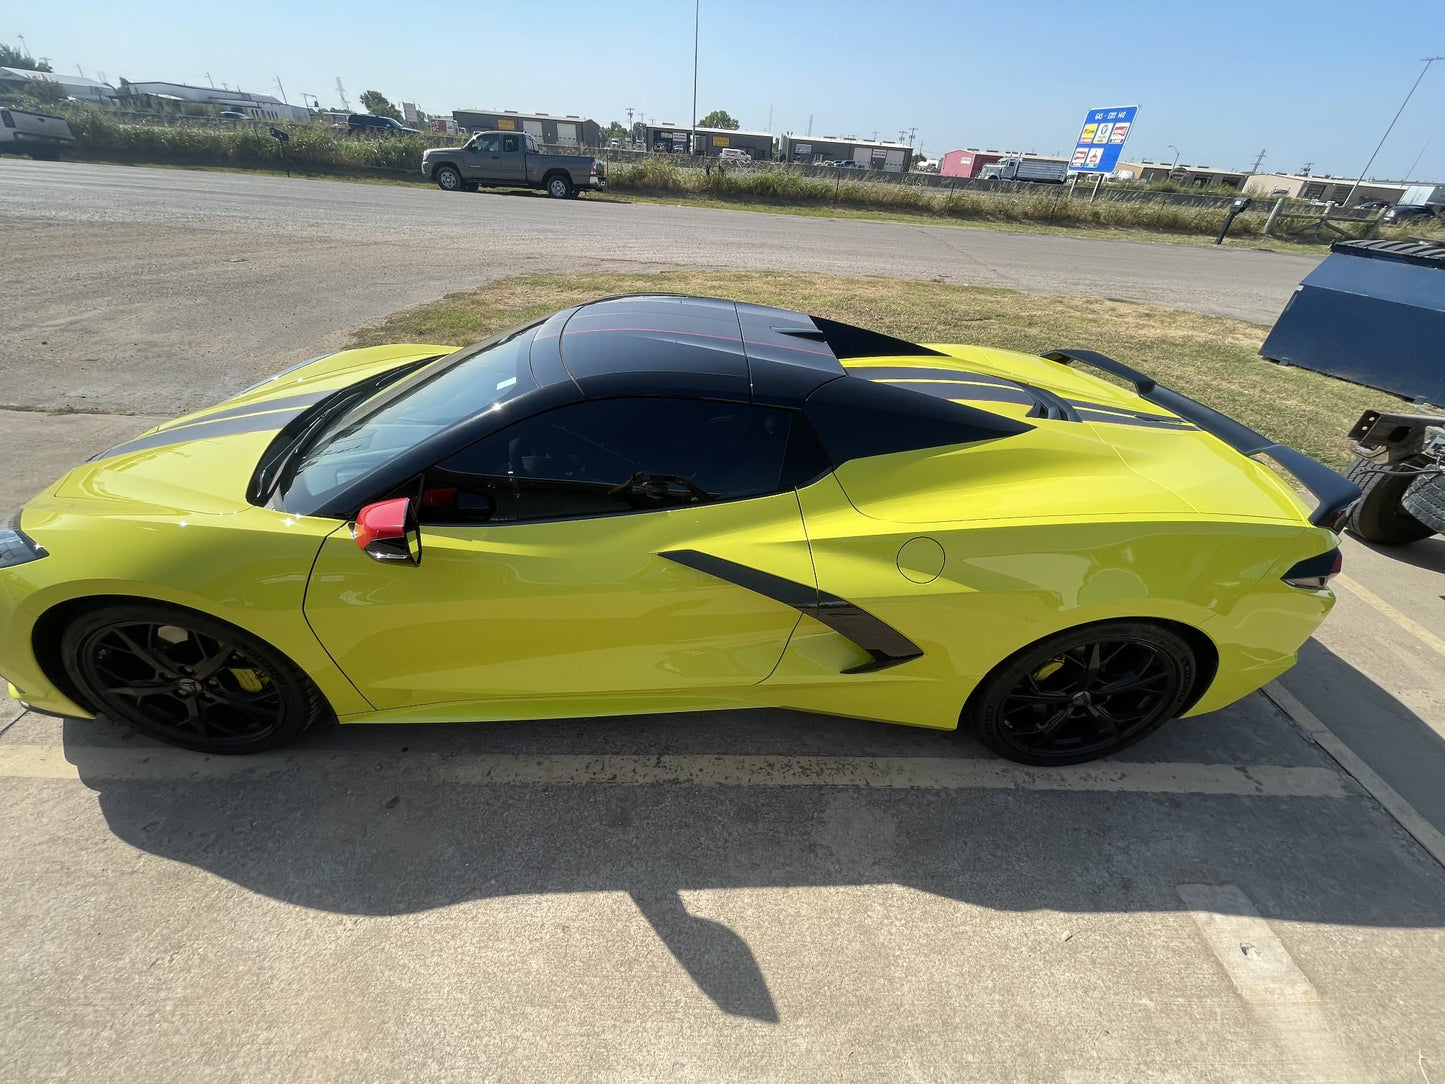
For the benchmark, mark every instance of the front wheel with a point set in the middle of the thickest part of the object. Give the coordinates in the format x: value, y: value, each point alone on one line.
x: 558, y: 186
x: 448, y: 179
x: 189, y: 680
x: 1083, y: 693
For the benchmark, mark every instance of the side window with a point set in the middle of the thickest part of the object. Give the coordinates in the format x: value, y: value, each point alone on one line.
x: 486, y: 144
x: 610, y: 456
x: 510, y: 144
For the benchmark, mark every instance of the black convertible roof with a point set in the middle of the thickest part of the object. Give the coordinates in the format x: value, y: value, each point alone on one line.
x: 669, y: 344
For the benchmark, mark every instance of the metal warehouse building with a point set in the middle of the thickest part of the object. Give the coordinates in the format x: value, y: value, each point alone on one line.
x: 675, y: 139
x: 818, y: 150
x: 757, y: 144
x: 568, y: 131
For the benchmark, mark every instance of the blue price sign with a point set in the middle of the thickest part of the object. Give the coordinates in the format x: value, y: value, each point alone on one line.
x: 1102, y: 138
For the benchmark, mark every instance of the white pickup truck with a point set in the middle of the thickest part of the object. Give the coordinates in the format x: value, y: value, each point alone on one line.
x: 37, y: 134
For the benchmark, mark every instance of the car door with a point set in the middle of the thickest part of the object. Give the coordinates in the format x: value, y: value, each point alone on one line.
x: 511, y: 162
x: 578, y: 552
x: 481, y: 158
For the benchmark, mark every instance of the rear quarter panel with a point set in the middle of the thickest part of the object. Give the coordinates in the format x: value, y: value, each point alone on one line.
x: 1007, y: 582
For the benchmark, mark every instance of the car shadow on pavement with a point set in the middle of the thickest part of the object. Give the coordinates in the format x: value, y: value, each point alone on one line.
x: 1427, y: 553
x: 1400, y: 746
x: 374, y: 821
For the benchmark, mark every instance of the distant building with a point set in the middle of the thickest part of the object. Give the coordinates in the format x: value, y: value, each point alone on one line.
x: 260, y: 106
x: 1186, y: 176
x: 1325, y: 189
x: 821, y: 150
x: 74, y: 86
x: 554, y: 131
x: 708, y: 141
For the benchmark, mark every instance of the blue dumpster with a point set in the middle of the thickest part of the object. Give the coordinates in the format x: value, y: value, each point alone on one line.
x: 1372, y: 313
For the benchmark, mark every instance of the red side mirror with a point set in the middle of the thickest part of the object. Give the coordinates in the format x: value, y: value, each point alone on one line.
x: 388, y: 531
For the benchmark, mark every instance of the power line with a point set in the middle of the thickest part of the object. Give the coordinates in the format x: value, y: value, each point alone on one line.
x: 1427, y: 61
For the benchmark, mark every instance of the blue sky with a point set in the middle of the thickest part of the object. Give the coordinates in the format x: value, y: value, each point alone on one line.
x: 1317, y: 85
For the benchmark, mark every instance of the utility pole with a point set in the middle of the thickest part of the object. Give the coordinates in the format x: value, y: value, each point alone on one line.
x: 210, y: 80
x: 1427, y: 61
x: 1304, y: 170
x: 1258, y: 160
x: 341, y: 91
x: 770, y: 120
x: 692, y: 124
x: 281, y: 89
x: 810, y: 124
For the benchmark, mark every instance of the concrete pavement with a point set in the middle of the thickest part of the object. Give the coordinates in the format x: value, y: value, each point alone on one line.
x: 741, y: 895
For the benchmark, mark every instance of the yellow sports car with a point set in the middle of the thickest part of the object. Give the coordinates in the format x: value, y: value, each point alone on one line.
x: 662, y: 503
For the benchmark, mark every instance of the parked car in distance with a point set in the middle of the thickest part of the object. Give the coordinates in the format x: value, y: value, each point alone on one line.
x: 37, y: 134
x: 511, y: 160
x: 1372, y: 205
x: 367, y: 122
x: 1405, y: 213
x: 233, y: 114
x: 733, y: 154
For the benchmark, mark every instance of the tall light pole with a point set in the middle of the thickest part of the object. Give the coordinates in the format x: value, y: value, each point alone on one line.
x: 1175, y: 149
x: 692, y: 128
x: 1427, y: 61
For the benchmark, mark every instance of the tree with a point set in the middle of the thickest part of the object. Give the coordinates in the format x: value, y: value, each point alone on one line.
x: 11, y: 57
x: 615, y: 130
x: 44, y: 91
x: 375, y: 103
x: 718, y: 118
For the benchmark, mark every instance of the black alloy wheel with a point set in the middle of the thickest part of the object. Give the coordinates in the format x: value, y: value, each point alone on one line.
x: 1083, y: 694
x: 188, y: 680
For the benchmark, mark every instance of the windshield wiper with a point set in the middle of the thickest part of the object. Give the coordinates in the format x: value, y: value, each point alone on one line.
x: 284, y: 454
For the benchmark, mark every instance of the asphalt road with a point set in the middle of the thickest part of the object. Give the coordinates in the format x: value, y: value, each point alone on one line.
x: 154, y: 290
x: 742, y: 895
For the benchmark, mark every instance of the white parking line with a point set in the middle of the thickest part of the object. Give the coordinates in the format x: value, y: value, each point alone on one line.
x: 568, y: 769
x: 1406, y: 815
x: 1272, y: 985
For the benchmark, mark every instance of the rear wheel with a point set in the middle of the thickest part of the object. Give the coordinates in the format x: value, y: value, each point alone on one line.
x: 559, y: 186
x: 1084, y: 693
x: 1379, y: 516
x: 189, y: 680
x: 448, y: 179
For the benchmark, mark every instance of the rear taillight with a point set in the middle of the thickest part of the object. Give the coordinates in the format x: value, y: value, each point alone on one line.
x: 1314, y: 573
x: 6, y: 119
x: 594, y: 167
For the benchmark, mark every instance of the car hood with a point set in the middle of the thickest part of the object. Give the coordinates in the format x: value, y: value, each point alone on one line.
x: 201, y: 463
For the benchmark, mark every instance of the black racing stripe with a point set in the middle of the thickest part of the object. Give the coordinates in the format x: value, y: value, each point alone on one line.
x: 1145, y: 422
x: 887, y: 646
x: 911, y: 372
x: 287, y: 403
x: 955, y: 390
x: 226, y: 427
x: 1144, y: 415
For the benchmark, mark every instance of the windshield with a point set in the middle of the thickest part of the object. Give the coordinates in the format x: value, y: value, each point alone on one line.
x: 387, y: 423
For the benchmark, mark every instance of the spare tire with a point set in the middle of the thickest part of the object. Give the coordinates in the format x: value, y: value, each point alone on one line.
x: 1425, y: 500
x: 1379, y: 515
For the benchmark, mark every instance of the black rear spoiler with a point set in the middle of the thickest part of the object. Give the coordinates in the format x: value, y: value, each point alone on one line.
x: 1334, y: 492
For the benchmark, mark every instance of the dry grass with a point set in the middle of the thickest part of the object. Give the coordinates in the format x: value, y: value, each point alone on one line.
x: 1212, y: 359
